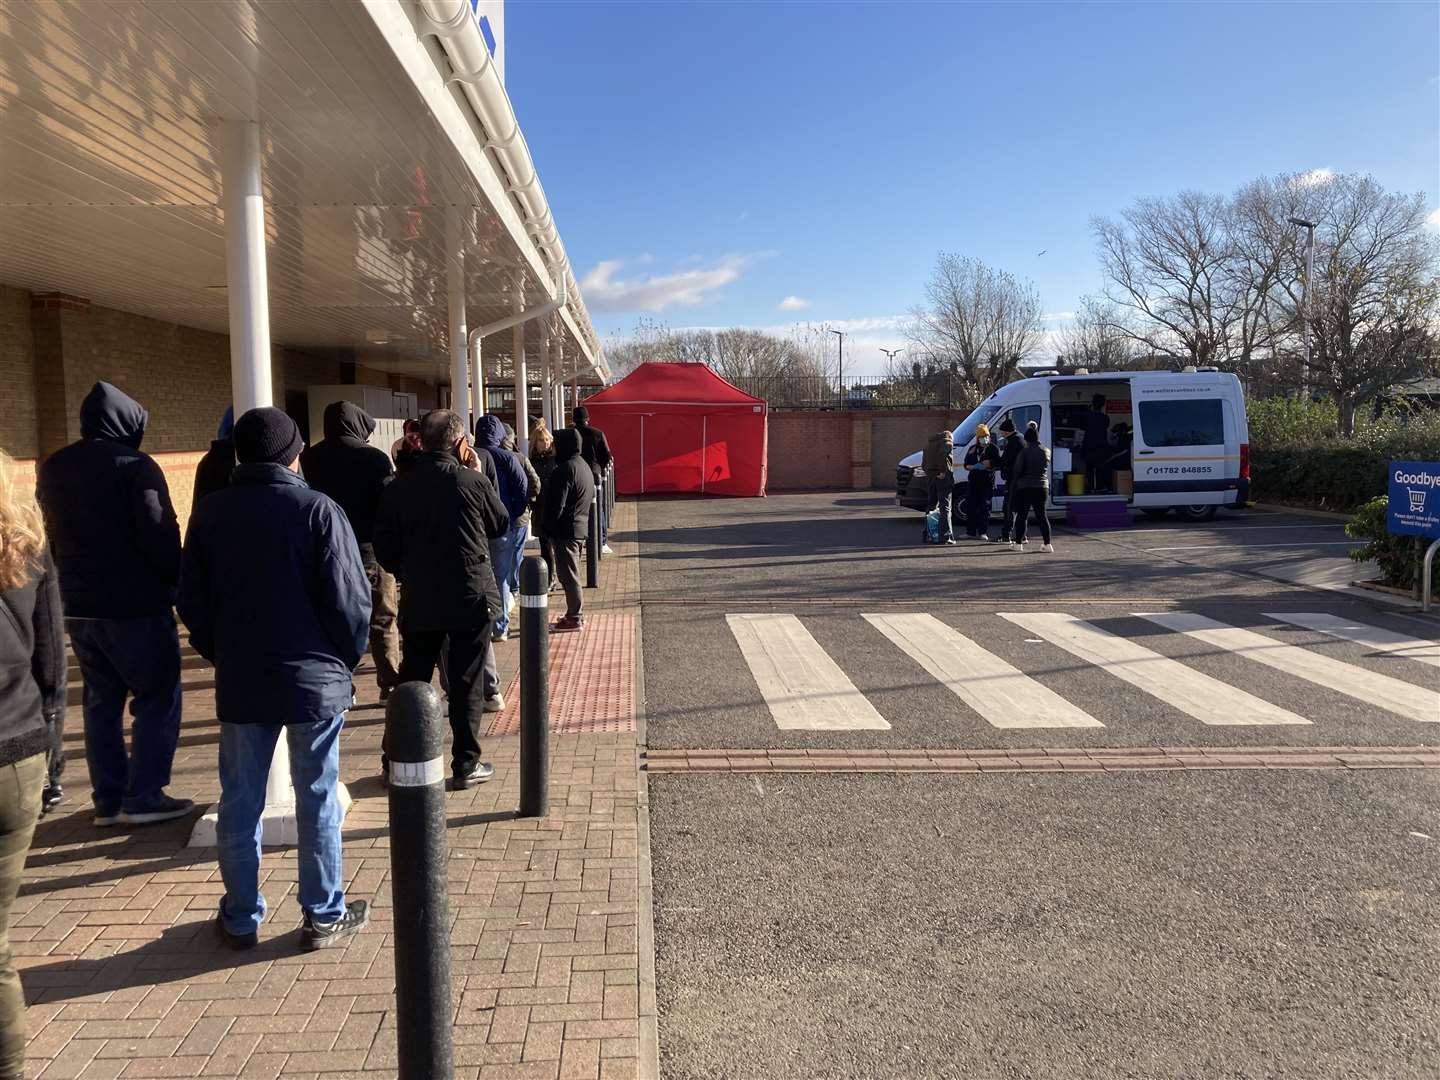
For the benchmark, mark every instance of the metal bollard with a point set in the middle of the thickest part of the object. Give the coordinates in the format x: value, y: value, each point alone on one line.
x: 592, y: 546
x: 534, y: 688
x: 419, y: 851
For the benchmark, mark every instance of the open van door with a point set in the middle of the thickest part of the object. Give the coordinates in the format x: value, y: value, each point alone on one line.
x: 1187, y: 445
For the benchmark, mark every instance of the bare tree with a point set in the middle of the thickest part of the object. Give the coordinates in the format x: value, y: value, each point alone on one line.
x: 1098, y: 338
x: 981, y: 320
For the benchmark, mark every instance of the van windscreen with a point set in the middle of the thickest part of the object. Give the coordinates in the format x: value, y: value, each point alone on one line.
x: 1199, y: 422
x: 966, y: 431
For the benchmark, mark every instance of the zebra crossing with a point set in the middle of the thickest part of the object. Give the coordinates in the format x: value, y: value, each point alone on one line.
x: 804, y: 688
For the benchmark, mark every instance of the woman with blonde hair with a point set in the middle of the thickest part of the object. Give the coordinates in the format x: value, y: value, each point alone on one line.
x: 542, y: 460
x: 32, y: 698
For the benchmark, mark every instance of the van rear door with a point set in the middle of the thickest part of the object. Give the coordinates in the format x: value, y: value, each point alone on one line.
x: 1186, y: 449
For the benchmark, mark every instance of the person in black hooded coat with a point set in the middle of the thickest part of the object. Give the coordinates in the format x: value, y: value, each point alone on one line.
x: 117, y: 546
x: 565, y: 503
x: 347, y: 468
x: 213, y: 472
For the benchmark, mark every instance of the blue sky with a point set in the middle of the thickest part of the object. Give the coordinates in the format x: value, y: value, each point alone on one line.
x: 707, y: 161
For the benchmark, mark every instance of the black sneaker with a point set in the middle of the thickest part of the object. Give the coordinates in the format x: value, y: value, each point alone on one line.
x: 478, y: 775
x: 238, y: 942
x: 51, y: 797
x: 152, y: 811
x: 328, y: 935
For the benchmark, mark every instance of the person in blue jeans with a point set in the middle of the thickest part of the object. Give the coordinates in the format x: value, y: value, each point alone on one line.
x: 518, y: 486
x: 274, y: 594
x: 116, y: 545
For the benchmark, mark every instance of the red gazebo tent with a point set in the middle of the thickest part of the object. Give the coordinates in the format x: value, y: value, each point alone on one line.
x: 682, y: 428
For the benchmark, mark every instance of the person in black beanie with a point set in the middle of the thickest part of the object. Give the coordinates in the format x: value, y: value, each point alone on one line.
x: 1010, y: 446
x: 274, y: 594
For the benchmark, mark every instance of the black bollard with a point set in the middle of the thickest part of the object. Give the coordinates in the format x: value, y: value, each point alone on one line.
x: 419, y: 851
x: 592, y: 544
x: 534, y: 688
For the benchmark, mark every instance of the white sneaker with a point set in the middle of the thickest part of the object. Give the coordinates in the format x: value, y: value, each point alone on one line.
x: 605, y: 549
x: 496, y: 703
x: 1048, y: 548
x: 1020, y: 547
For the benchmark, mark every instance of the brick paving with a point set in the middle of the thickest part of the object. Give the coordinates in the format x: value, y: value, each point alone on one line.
x: 1040, y: 759
x: 124, y: 977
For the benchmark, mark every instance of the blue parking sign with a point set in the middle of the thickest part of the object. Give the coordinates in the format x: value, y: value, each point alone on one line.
x: 1414, y: 508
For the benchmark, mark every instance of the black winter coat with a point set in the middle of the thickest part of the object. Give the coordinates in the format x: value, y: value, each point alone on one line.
x: 433, y: 532
x: 274, y: 595
x: 107, y: 509
x: 32, y: 664
x: 1009, y: 454
x: 1032, y: 468
x: 982, y: 455
x: 567, y: 495
x: 594, y: 448
x: 213, y: 472
x: 347, y: 468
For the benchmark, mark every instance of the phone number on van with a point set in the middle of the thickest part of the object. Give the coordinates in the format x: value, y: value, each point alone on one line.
x: 1177, y: 470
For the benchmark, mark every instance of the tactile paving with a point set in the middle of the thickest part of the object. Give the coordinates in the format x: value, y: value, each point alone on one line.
x: 592, y: 680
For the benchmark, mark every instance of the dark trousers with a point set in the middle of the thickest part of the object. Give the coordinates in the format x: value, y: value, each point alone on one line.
x: 547, y: 552
x: 567, y: 568
x: 20, y: 786
x: 1027, y: 500
x: 1007, y: 514
x: 139, y: 658
x: 465, y: 653
x: 1097, y: 469
x: 977, y: 509
x: 942, y: 492
x: 384, y: 608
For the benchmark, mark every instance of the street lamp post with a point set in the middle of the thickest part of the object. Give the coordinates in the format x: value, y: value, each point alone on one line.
x: 1309, y: 227
x: 840, y: 377
x: 890, y: 354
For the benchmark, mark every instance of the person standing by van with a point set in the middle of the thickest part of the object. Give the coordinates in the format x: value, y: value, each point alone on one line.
x: 936, y: 464
x: 981, y: 461
x: 1010, y: 446
x: 1032, y: 485
x: 1095, y: 445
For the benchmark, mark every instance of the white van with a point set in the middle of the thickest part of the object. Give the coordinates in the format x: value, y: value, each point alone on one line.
x: 1188, y: 441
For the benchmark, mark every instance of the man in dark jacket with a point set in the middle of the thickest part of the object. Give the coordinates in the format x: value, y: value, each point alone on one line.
x: 564, y: 519
x: 213, y: 472
x: 274, y: 595
x: 936, y: 464
x: 595, y: 451
x: 1095, y: 445
x: 518, y: 494
x: 433, y: 532
x: 1010, y: 446
x: 347, y: 468
x: 117, y: 546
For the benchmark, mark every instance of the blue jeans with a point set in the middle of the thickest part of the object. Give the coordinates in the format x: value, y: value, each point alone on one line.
x: 138, y: 657
x: 245, y: 753
x: 509, y: 552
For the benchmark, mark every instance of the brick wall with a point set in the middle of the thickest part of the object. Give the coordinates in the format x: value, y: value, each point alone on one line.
x: 847, y: 450
x: 17, y: 374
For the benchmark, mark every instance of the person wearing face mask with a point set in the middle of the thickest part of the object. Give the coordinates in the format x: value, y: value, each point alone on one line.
x: 981, y: 461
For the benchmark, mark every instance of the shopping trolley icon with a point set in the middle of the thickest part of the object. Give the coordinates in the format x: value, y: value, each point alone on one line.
x: 1417, y: 500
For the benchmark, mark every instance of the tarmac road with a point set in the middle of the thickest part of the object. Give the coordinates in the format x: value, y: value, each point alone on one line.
x: 1219, y: 924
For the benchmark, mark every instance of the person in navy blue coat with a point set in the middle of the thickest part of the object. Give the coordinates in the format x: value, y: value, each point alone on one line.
x: 274, y: 594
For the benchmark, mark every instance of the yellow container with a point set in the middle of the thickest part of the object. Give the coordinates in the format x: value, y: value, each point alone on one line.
x: 1075, y: 483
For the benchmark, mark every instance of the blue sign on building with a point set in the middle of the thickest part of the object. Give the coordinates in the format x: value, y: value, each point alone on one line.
x: 1414, y: 508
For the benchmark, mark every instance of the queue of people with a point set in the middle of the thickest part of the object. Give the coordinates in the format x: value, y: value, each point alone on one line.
x: 1020, y: 461
x: 295, y: 563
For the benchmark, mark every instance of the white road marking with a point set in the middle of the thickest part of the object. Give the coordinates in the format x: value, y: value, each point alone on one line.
x: 1375, y: 637
x: 803, y: 687
x: 1405, y: 699
x: 1208, y: 700
x: 1247, y: 547
x: 1005, y: 696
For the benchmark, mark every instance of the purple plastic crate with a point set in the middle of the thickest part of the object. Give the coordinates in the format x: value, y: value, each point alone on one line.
x: 1099, y: 514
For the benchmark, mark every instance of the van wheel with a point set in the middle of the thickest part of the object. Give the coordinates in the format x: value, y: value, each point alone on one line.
x: 957, y: 513
x: 1155, y: 512
x: 1197, y: 513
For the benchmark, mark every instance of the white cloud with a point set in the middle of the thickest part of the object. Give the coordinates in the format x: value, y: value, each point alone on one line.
x: 1057, y: 316
x: 656, y: 292
x: 793, y: 303
x: 1433, y: 220
x: 1315, y: 177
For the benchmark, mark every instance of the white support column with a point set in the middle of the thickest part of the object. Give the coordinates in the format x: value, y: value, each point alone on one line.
x: 242, y: 200
x: 460, y: 398
x: 522, y: 389
x: 477, y: 382
x: 547, y: 397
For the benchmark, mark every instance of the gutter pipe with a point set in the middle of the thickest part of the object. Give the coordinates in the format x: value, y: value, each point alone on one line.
x: 453, y: 22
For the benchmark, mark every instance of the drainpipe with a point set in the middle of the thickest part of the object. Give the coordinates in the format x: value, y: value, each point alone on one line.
x: 478, y: 335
